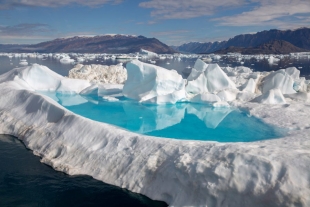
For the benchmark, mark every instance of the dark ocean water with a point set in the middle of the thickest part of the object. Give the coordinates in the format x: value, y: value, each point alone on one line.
x: 24, y: 181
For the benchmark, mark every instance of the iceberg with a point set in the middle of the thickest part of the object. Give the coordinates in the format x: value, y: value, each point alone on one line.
x: 279, y: 80
x: 208, y: 78
x: 149, y: 82
x: 181, y: 173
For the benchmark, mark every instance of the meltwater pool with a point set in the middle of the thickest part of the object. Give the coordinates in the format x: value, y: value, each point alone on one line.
x: 185, y: 121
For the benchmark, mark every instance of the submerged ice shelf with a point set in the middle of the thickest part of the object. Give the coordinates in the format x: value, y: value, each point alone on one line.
x: 269, y: 173
x: 186, y: 121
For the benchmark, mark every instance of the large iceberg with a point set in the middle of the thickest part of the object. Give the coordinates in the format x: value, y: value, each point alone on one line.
x: 270, y: 173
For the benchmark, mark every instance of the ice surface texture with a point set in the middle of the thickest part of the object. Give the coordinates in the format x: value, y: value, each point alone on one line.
x: 113, y: 74
x: 182, y: 173
x: 150, y: 83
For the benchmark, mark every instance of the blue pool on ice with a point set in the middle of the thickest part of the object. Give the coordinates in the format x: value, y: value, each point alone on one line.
x: 180, y: 121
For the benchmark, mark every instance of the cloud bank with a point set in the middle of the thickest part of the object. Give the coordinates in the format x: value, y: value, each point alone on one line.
x: 272, y: 12
x: 279, y: 13
x: 185, y: 9
x: 9, y: 4
x: 24, y: 29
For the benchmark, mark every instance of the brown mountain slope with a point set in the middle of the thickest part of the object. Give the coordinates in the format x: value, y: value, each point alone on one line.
x: 99, y: 44
x: 271, y: 47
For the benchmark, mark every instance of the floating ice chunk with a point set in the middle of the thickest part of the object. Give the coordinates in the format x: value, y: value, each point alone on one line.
x: 23, y: 62
x: 216, y: 57
x: 66, y: 60
x: 146, y: 81
x: 279, y: 80
x: 273, y: 96
x: 148, y: 53
x: 249, y: 86
x: 206, y: 98
x: 273, y: 60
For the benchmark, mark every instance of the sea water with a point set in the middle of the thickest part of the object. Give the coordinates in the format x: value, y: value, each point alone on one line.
x: 186, y: 121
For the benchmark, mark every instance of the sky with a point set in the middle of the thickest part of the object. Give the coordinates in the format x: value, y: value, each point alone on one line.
x: 173, y: 22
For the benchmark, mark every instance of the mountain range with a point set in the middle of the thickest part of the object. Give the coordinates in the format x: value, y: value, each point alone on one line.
x: 96, y: 44
x: 300, y: 38
x: 265, y: 42
x: 271, y: 47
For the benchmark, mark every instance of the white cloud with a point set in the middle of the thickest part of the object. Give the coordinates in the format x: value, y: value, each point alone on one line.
x: 8, y: 4
x: 185, y: 9
x: 25, y: 33
x: 24, y: 29
x: 282, y: 14
x: 270, y: 13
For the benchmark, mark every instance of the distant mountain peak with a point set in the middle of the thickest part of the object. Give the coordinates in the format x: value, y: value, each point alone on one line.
x: 108, y: 43
x: 270, y: 47
x: 299, y: 37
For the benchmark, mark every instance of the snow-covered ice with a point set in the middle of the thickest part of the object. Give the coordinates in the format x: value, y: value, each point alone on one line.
x: 268, y: 173
x: 150, y: 83
x: 114, y: 74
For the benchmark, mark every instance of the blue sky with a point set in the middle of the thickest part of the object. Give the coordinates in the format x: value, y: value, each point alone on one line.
x: 172, y: 21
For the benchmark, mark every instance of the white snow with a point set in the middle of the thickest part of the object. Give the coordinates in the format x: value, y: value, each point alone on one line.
x: 269, y: 173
